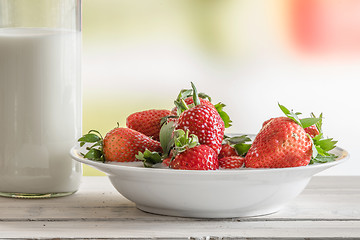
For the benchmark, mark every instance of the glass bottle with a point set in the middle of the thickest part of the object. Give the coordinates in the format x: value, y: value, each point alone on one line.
x: 40, y: 97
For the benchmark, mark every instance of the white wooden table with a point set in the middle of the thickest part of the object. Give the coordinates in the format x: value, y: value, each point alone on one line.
x: 328, y: 207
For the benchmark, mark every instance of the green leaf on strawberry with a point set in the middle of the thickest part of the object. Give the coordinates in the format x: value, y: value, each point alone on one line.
x: 224, y: 116
x: 179, y: 140
x: 90, y: 138
x: 325, y: 144
x: 321, y: 148
x: 323, y: 159
x: 95, y: 151
x: 183, y: 140
x: 181, y: 106
x: 166, y: 137
x: 237, y: 139
x: 204, y: 96
x: 185, y: 93
x: 290, y: 114
x: 180, y: 103
x: 307, y: 122
x: 149, y: 158
x: 240, y: 143
x: 94, y: 154
x: 304, y: 122
x: 242, y: 149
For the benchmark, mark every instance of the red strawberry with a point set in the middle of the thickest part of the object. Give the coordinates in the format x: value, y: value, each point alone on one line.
x: 200, y: 157
x: 166, y: 162
x: 122, y: 144
x: 206, y: 123
x: 312, y: 131
x: 147, y: 122
x: 189, y: 98
x: 280, y: 143
x: 231, y: 162
x: 266, y: 122
x: 227, y: 150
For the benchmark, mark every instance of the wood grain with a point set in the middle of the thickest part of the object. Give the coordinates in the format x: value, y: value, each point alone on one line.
x: 328, y: 207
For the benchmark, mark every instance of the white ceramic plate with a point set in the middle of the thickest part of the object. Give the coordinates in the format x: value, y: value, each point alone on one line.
x: 209, y: 194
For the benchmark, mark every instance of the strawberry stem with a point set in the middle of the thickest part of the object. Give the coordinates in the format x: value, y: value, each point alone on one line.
x: 184, y: 140
x: 181, y: 106
x: 195, y: 95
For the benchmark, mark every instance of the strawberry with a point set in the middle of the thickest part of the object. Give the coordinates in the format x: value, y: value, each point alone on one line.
x: 166, y: 162
x: 119, y: 145
x: 147, y: 122
x: 287, y: 142
x: 312, y: 131
x: 320, y: 145
x: 122, y: 144
x: 231, y: 162
x: 280, y: 143
x: 189, y: 98
x: 266, y: 122
x: 204, y: 122
x: 190, y: 155
x: 201, y: 157
x: 234, y: 146
x: 227, y: 150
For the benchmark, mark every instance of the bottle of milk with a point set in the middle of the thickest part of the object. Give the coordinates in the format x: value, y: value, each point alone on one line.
x: 40, y: 97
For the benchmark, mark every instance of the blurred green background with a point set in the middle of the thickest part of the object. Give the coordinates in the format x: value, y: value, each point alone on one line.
x: 249, y: 54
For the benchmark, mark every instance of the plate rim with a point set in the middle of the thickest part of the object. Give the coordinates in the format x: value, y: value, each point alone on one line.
x: 109, y: 167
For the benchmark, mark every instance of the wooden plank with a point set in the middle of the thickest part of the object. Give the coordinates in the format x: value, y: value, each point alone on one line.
x: 302, y: 208
x: 97, y: 199
x: 180, y: 230
x: 328, y: 207
x: 334, y: 182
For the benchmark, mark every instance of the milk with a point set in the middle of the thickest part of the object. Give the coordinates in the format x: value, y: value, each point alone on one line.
x: 40, y: 110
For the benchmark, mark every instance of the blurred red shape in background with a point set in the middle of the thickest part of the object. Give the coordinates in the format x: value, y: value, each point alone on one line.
x: 326, y: 26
